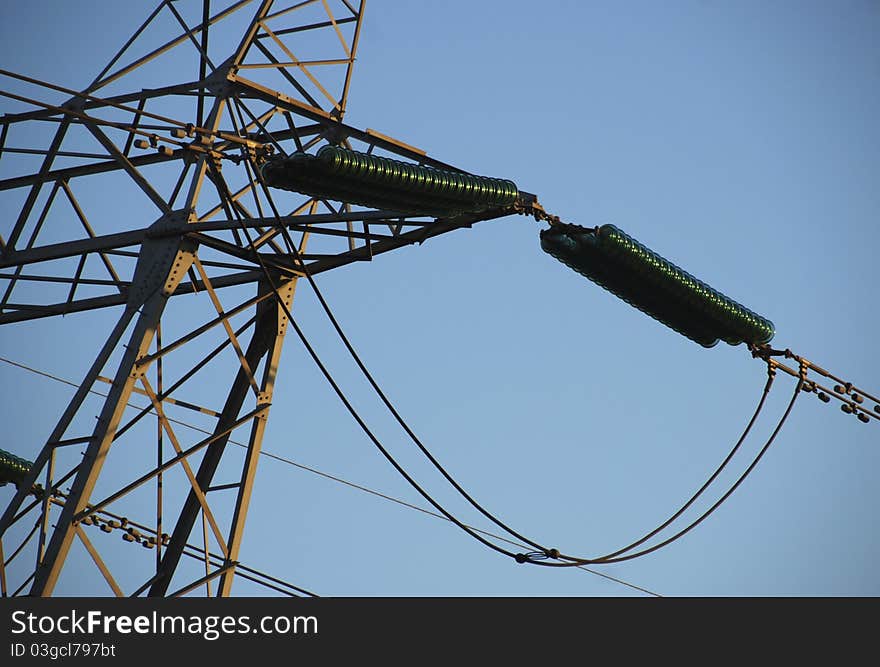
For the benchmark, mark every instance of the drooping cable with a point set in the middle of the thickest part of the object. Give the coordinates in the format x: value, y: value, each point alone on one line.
x: 573, y: 561
x: 519, y: 557
x: 221, y: 185
x: 767, y: 386
x: 372, y: 381
x: 543, y: 550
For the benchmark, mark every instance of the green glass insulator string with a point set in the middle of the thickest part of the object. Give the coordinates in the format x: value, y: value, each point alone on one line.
x: 641, y: 277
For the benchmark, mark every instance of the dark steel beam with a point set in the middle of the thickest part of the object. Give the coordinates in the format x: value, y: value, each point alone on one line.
x: 86, y: 170
x: 310, y: 26
x: 64, y: 308
x: 96, y: 103
x: 72, y: 248
x: 366, y: 253
x: 264, y: 334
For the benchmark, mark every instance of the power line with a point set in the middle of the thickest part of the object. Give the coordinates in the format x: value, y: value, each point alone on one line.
x: 249, y: 573
x: 573, y: 561
x: 767, y: 386
x: 291, y: 247
x: 223, y: 191
x: 334, y: 478
x: 543, y: 552
x: 440, y: 516
x: 226, y: 197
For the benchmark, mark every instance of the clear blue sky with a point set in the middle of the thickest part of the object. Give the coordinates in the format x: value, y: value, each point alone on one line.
x: 740, y: 140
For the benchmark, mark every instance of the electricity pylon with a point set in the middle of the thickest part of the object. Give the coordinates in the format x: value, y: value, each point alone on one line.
x: 201, y: 265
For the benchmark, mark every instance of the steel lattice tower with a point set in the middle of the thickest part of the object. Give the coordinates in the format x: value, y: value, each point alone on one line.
x: 200, y: 237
